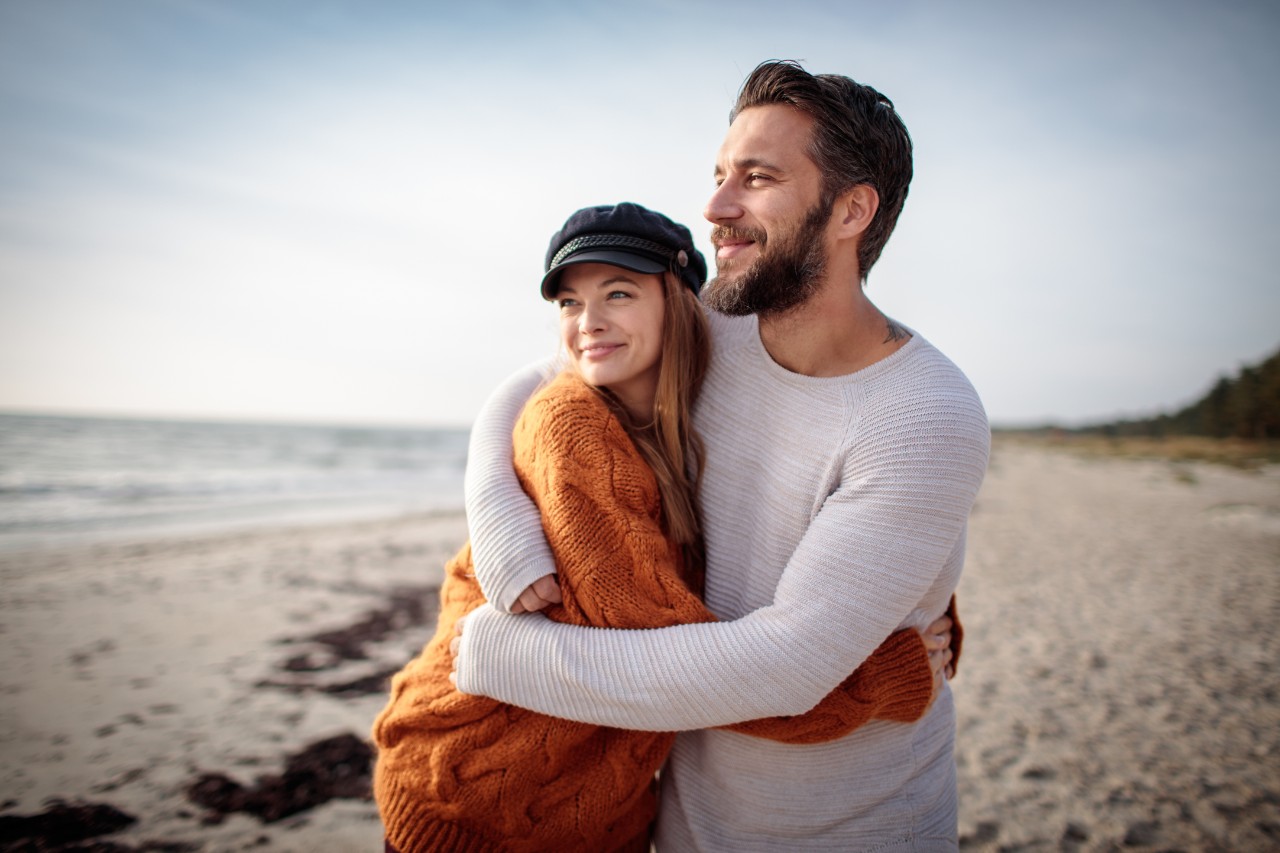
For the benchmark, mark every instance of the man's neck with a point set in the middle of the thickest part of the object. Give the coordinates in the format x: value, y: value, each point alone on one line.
x: 836, y: 332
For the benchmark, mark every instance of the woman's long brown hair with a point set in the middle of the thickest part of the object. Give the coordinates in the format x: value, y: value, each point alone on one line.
x: 669, y: 443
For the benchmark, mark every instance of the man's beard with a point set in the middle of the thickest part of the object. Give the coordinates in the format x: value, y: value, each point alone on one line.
x: 781, y: 277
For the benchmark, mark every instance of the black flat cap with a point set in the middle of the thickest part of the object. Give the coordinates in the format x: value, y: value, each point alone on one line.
x: 625, y: 235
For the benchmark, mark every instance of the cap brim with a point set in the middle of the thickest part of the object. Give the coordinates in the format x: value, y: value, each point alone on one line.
x: 613, y: 257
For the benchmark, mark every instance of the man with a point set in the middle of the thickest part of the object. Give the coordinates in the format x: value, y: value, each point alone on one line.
x: 843, y: 456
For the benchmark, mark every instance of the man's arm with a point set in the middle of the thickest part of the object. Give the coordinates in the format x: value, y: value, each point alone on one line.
x: 619, y: 569
x: 508, y: 547
x: 865, y: 562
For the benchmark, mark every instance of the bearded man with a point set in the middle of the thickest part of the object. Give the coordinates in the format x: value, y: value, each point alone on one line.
x: 843, y: 456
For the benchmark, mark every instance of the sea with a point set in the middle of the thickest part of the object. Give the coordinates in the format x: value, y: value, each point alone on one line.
x: 88, y: 479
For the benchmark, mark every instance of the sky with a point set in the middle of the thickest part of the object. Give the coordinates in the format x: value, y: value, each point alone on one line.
x: 337, y: 212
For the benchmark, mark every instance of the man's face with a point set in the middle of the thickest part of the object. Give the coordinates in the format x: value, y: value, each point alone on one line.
x: 769, y: 215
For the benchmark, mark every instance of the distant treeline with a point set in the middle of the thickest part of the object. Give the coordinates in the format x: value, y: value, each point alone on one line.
x: 1246, y: 406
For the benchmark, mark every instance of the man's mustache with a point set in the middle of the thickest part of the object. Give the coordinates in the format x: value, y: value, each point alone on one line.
x: 724, y: 233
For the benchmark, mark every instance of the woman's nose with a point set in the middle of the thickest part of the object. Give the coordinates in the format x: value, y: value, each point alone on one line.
x: 591, y: 319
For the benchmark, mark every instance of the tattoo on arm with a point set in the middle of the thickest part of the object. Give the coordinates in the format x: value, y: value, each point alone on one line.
x: 895, y: 332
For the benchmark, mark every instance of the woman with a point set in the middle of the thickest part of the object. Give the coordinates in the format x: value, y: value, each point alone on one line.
x: 608, y: 453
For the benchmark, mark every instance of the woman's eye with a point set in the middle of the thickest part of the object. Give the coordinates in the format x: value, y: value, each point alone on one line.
x: 619, y: 294
x: 566, y: 302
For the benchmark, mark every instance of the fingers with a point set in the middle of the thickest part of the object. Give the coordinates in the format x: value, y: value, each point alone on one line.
x: 540, y: 594
x: 942, y: 623
x: 940, y: 661
x: 527, y: 602
x: 548, y: 589
x: 940, y: 626
x: 936, y: 642
x: 938, y: 634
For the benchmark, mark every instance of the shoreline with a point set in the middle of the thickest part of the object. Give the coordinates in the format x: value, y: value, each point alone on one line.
x: 211, y: 523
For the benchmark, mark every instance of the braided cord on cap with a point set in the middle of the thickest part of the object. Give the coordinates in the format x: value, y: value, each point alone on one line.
x: 613, y: 241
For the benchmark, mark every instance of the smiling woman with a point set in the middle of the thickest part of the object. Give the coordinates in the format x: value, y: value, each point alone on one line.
x: 611, y: 327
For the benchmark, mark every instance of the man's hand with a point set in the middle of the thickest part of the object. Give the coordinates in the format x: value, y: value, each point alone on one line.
x: 542, y: 593
x: 545, y: 591
x: 454, y: 644
x: 937, y: 640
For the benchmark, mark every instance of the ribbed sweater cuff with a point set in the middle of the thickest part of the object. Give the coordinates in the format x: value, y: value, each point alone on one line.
x: 903, y: 662
x: 412, y: 829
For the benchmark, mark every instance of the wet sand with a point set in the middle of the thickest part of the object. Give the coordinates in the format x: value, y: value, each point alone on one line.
x: 1118, y: 688
x: 134, y: 672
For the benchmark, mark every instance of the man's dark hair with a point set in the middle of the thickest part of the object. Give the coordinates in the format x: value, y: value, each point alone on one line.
x: 858, y: 138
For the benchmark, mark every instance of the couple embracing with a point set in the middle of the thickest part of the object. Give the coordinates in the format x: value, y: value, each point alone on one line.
x: 720, y: 542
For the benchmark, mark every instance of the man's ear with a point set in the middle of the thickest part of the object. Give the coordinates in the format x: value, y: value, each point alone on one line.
x: 854, y: 210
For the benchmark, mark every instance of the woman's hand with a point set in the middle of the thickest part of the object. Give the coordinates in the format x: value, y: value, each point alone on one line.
x: 937, y: 640
x: 542, y: 593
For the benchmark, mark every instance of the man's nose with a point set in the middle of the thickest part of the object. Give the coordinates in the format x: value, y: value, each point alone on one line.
x: 723, y: 205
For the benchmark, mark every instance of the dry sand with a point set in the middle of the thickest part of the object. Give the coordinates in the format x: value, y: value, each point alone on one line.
x: 1118, y: 688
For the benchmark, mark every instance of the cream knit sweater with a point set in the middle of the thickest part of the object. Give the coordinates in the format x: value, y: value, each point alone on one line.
x: 835, y: 512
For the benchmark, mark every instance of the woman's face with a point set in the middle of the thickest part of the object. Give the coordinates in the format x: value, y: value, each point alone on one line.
x: 611, y: 326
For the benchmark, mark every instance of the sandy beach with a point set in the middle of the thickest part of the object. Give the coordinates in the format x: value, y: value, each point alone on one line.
x: 1118, y: 687
x: 130, y: 671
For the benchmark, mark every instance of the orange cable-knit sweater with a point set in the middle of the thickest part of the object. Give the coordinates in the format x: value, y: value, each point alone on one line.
x: 467, y: 773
